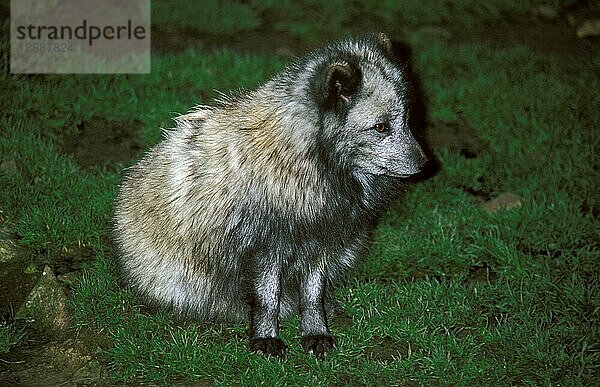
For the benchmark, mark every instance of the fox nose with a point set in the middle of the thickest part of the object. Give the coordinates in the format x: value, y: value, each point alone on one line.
x: 419, y: 157
x: 416, y: 160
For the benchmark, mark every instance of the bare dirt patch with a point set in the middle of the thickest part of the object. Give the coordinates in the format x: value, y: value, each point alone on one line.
x: 15, y: 285
x: 387, y: 349
x: 77, y: 360
x: 262, y: 41
x: 457, y: 136
x: 98, y: 142
x: 555, y: 37
x: 480, y: 274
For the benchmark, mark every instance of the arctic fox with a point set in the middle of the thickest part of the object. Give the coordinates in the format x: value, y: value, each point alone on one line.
x: 255, y: 208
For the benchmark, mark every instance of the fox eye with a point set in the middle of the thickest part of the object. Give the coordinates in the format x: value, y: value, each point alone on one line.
x: 381, y: 127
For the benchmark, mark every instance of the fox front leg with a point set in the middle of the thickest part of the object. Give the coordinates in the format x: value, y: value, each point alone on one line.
x: 263, y: 298
x: 316, y: 338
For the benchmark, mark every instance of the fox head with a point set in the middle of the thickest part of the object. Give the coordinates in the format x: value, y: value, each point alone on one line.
x: 362, y: 98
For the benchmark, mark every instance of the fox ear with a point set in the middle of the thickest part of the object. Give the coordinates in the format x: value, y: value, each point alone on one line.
x: 339, y: 82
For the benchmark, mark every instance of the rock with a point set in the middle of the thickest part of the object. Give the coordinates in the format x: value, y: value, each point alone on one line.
x: 46, y: 306
x: 8, y: 246
x: 546, y: 12
x: 285, y: 52
x: 588, y: 29
x: 505, y: 201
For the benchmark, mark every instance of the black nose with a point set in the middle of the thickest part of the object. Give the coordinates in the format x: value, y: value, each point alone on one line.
x: 426, y: 166
x: 418, y: 158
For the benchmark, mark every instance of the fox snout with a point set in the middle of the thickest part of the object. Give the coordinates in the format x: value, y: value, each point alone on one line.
x: 416, y: 159
x: 405, y: 158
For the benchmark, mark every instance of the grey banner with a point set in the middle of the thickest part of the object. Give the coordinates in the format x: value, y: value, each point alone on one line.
x: 80, y: 36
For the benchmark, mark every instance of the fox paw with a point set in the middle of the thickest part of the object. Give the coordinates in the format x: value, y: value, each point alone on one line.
x: 268, y: 346
x: 318, y: 345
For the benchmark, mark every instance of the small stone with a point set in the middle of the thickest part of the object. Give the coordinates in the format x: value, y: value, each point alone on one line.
x: 46, y: 305
x: 546, y: 12
x: 8, y: 246
x: 9, y: 166
x: 285, y: 52
x: 505, y: 201
x: 589, y: 28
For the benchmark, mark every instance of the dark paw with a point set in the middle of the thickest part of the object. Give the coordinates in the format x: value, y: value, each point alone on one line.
x: 318, y: 345
x: 268, y: 346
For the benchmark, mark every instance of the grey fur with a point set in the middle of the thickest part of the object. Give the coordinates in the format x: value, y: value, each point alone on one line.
x: 256, y: 207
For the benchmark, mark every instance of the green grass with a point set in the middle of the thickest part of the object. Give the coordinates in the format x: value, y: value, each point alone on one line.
x: 9, y: 337
x: 212, y: 17
x: 417, y: 313
x: 331, y: 17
